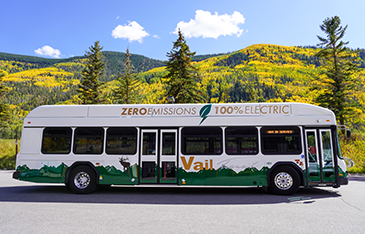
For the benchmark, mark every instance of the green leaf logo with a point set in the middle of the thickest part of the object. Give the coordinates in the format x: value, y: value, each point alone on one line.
x: 204, y: 111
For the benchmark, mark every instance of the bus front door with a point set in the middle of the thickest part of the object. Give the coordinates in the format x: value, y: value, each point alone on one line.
x: 320, y: 167
x: 158, y: 161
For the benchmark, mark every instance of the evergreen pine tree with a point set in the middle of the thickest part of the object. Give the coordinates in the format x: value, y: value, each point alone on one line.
x: 337, y: 80
x: 126, y: 92
x: 90, y: 85
x: 182, y: 78
x: 4, y: 107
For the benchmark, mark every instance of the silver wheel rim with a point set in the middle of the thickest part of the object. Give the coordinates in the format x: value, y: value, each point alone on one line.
x: 82, y: 180
x: 283, y: 181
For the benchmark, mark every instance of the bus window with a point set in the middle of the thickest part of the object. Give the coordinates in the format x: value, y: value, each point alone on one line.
x: 327, y: 148
x: 149, y: 143
x: 281, y: 140
x: 202, y: 140
x: 241, y: 140
x: 121, y: 141
x: 56, y: 141
x: 168, y: 143
x: 89, y: 140
x: 312, y: 146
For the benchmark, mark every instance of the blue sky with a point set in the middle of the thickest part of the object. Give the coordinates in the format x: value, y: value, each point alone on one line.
x: 67, y: 28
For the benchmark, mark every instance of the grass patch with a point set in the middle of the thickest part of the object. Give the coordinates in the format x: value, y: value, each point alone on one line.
x: 7, y: 154
x: 354, y: 148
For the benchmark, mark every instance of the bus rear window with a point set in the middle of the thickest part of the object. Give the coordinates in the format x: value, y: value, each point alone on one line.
x: 56, y: 141
x: 89, y: 140
x: 121, y: 141
x: 281, y: 140
x: 202, y: 140
x: 241, y: 140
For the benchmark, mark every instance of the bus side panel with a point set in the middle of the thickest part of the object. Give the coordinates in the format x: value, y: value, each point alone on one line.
x: 222, y: 171
x: 31, y: 142
x: 34, y: 166
x: 119, y: 170
x: 42, y: 171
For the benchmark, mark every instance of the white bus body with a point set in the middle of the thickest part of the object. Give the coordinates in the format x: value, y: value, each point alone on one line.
x: 277, y: 145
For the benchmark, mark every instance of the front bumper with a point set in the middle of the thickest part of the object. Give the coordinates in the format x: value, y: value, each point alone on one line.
x: 343, y: 180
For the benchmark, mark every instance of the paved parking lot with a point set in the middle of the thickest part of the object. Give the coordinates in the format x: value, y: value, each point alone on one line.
x: 44, y: 208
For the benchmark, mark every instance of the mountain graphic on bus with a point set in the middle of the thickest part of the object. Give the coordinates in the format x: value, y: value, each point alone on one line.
x: 45, y: 174
x: 113, y: 175
x: 225, y: 176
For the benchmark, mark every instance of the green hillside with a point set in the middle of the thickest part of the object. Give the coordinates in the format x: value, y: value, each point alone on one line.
x: 114, y: 60
x: 258, y: 73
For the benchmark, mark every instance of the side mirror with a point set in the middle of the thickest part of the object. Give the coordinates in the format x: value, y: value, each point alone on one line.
x: 344, y: 127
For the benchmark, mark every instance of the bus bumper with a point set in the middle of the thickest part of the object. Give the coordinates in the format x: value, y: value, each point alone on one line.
x: 343, y: 180
x: 16, y: 175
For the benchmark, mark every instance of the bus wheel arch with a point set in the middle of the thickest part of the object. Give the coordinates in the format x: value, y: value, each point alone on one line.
x: 82, y: 177
x: 284, y: 179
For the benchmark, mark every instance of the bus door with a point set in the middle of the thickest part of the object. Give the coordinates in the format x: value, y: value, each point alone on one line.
x: 158, y: 161
x: 320, y: 167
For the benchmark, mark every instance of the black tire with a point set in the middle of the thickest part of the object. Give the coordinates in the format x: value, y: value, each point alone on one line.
x: 82, y: 180
x: 284, y: 181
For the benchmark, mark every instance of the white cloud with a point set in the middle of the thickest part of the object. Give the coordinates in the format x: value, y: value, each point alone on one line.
x: 117, y: 17
x: 156, y: 36
x: 48, y: 51
x: 207, y: 25
x: 133, y: 32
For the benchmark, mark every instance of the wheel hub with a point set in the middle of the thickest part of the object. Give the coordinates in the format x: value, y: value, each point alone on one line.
x: 283, y: 181
x: 82, y: 180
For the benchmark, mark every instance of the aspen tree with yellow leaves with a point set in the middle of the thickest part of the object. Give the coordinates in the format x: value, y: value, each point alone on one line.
x: 4, y: 107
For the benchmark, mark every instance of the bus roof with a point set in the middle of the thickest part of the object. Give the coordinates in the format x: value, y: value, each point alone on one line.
x: 181, y: 114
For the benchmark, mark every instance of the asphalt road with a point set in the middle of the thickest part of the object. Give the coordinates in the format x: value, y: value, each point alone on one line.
x: 48, y: 208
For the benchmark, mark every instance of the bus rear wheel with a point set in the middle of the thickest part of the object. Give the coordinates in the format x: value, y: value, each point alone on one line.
x: 284, y: 181
x: 82, y: 180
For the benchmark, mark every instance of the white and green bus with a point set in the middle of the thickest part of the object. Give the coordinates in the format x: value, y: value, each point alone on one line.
x: 279, y: 146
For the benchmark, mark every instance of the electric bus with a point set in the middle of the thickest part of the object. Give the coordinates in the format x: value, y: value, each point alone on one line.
x: 278, y: 146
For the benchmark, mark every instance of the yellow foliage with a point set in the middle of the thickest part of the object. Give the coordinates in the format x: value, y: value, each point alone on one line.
x: 69, y: 64
x: 153, y: 93
x: 156, y: 70
x: 44, y: 77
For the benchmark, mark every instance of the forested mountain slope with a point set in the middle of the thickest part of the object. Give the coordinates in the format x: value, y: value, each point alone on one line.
x: 114, y: 62
x: 257, y: 73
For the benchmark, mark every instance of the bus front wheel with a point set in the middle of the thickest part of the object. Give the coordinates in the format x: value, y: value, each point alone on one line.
x: 82, y: 180
x: 284, y: 181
